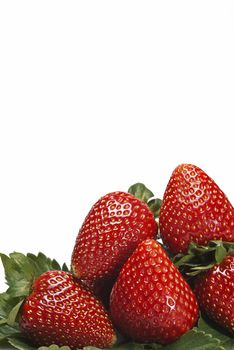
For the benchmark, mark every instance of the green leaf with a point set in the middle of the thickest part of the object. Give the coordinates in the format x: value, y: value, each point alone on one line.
x: 201, y: 258
x: 220, y: 253
x: 4, y: 305
x: 12, y: 272
x: 12, y: 316
x: 195, y: 270
x: 21, y: 288
x: 65, y: 268
x: 155, y: 206
x: 54, y: 347
x: 208, y: 327
x: 7, y: 331
x: 42, y: 263
x: 181, y: 259
x: 20, y: 344
x: 125, y: 346
x: 19, y: 273
x: 129, y: 346
x: 7, y: 303
x: 22, y: 270
x: 140, y: 191
x: 192, y: 340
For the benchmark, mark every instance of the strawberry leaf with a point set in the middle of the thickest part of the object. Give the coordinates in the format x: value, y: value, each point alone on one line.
x: 192, y: 340
x: 7, y: 331
x: 208, y: 327
x: 65, y: 268
x: 22, y: 270
x: 11, y: 319
x: 7, y: 304
x: 20, y: 344
x: 4, y: 305
x: 200, y: 258
x: 129, y: 346
x: 54, y: 347
x: 195, y: 339
x: 125, y: 346
x: 140, y: 191
x: 155, y: 206
x: 220, y: 253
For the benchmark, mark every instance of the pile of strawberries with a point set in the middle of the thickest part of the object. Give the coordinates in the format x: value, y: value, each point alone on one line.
x: 119, y: 264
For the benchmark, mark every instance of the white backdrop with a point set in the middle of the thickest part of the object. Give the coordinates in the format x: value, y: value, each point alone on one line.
x: 97, y: 95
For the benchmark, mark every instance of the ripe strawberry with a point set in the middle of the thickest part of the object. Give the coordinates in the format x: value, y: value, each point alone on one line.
x: 215, y: 290
x: 62, y: 311
x: 194, y: 209
x: 110, y: 233
x: 150, y: 301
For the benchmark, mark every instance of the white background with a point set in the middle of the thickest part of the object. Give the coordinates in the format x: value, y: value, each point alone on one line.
x: 97, y: 95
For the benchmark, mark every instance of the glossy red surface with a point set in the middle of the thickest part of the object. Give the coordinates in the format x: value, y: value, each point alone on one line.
x: 113, y: 228
x: 215, y: 293
x: 151, y: 301
x: 61, y: 311
x: 194, y: 209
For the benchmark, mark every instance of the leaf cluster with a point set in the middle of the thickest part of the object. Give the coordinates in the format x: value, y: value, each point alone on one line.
x: 200, y: 258
x: 140, y: 191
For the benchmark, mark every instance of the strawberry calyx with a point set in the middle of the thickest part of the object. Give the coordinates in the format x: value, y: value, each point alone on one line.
x: 20, y: 273
x: 140, y: 191
x: 200, y: 258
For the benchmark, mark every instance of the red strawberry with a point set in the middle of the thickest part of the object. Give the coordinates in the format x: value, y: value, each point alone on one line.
x: 194, y: 209
x: 150, y: 301
x: 61, y: 311
x: 110, y: 233
x: 215, y: 290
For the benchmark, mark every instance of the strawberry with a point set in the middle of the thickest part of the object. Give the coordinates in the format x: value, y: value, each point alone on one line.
x: 151, y: 301
x: 194, y: 209
x: 110, y: 233
x: 62, y: 311
x: 56, y: 309
x: 215, y: 290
